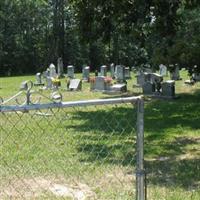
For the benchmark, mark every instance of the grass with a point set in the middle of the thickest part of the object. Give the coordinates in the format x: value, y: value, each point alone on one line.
x: 95, y: 146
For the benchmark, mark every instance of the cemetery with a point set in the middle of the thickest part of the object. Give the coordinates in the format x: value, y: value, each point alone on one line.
x: 99, y: 100
x: 159, y: 92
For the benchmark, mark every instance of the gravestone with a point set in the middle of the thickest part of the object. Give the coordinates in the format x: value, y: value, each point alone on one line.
x: 46, y: 73
x: 140, y: 79
x: 100, y: 83
x: 112, y: 70
x: 86, y: 73
x: 75, y: 84
x: 103, y: 70
x: 196, y: 77
x: 148, y: 88
x: 120, y: 87
x: 52, y: 71
x: 162, y: 70
x: 60, y: 67
x: 155, y: 78
x: 175, y: 75
x: 38, y: 80
x: 49, y: 82
x: 168, y: 88
x: 120, y: 73
x: 127, y: 73
x: 24, y: 85
x: 70, y: 71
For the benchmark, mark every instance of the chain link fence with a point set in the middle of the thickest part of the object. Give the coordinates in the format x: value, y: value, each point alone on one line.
x: 72, y: 150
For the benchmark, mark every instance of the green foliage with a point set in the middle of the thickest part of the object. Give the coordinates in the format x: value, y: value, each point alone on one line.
x: 35, y: 33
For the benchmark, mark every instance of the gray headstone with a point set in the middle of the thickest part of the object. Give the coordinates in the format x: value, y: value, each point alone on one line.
x: 60, y: 66
x: 86, y: 73
x: 127, y: 73
x: 100, y: 83
x: 112, y: 70
x: 120, y: 73
x: 103, y: 70
x: 148, y: 88
x: 168, y: 88
x: 49, y: 82
x: 196, y: 77
x: 75, y: 84
x: 175, y: 75
x: 70, y: 71
x: 140, y: 79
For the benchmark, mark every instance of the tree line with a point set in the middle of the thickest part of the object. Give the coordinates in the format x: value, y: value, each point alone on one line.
x: 34, y: 33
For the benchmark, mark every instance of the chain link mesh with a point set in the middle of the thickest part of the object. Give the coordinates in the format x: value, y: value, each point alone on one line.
x: 68, y: 153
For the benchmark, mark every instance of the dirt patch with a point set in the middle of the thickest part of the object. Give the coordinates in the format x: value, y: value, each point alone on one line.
x: 32, y: 188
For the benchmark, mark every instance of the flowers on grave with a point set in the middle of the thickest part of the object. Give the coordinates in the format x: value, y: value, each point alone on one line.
x: 108, y: 80
x: 56, y: 82
x: 92, y: 79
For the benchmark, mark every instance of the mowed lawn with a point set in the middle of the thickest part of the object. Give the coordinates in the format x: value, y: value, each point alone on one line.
x: 92, y: 149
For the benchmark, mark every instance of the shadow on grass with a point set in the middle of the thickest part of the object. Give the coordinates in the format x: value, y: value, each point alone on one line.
x: 106, y: 132
x: 182, y: 173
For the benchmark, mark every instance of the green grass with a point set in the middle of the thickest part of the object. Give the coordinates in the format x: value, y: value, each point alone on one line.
x: 96, y: 145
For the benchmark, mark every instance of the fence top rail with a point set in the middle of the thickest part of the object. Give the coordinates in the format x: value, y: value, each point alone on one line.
x: 12, y: 108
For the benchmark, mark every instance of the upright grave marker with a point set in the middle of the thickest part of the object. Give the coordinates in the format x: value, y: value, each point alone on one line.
x: 60, y: 67
x: 112, y: 70
x: 70, y: 71
x: 52, y: 71
x: 103, y: 70
x: 86, y: 73
x: 127, y: 73
x: 120, y: 73
x: 162, y: 70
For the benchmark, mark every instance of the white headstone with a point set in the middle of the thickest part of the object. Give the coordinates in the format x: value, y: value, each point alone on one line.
x: 38, y: 82
x: 52, y: 71
x: 163, y: 70
x: 75, y: 84
x: 119, y: 87
x: 38, y: 78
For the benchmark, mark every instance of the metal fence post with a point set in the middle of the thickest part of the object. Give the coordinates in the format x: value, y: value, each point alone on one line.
x: 140, y: 173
